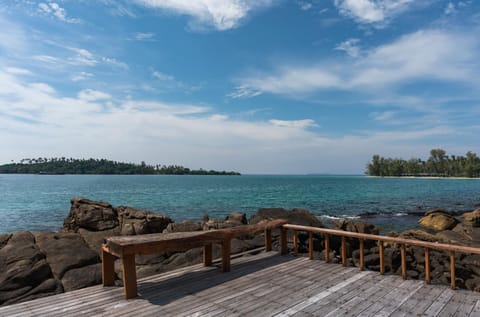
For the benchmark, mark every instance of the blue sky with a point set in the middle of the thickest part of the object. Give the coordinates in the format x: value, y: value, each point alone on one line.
x: 264, y: 86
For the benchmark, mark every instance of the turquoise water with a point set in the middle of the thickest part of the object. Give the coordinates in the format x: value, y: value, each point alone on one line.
x: 41, y: 202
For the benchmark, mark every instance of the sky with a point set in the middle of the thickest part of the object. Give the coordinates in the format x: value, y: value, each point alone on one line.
x: 255, y: 86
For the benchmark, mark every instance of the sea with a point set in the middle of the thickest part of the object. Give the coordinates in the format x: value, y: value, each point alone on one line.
x: 41, y: 202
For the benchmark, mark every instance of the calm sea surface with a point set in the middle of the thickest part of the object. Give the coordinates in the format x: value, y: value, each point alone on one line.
x: 41, y: 202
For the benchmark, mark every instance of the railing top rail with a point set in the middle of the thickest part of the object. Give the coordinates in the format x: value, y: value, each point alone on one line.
x: 365, y: 236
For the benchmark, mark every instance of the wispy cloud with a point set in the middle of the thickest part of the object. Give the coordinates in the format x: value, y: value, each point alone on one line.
x: 81, y: 76
x: 372, y: 11
x: 55, y: 10
x: 221, y: 15
x: 93, y: 95
x: 244, y: 91
x: 350, y: 46
x: 440, y: 55
x: 143, y: 36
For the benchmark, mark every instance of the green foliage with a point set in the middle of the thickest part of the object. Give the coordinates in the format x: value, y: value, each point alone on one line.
x: 438, y: 164
x: 98, y: 166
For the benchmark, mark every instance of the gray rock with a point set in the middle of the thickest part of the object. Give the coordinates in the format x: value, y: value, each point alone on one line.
x: 472, y: 218
x: 295, y: 216
x: 237, y: 217
x: 65, y: 251
x: 90, y: 215
x: 95, y: 239
x: 135, y: 221
x: 4, y: 239
x: 184, y: 226
x: 82, y: 277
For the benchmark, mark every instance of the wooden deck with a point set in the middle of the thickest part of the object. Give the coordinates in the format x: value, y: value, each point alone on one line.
x: 266, y: 284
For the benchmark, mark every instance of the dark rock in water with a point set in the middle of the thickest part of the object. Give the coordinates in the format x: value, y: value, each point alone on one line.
x: 219, y: 224
x: 438, y: 219
x: 472, y: 218
x: 295, y: 216
x: 82, y: 277
x: 65, y: 251
x: 135, y: 221
x: 23, y: 268
x: 184, y: 226
x: 357, y: 226
x: 454, y: 237
x: 90, y: 215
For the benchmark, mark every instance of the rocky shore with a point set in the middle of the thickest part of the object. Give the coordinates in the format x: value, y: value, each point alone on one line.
x: 38, y: 264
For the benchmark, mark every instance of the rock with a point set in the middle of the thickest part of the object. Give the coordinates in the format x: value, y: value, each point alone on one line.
x: 295, y: 216
x: 95, y: 239
x: 438, y: 219
x: 22, y: 267
x: 184, y: 226
x: 82, y: 277
x: 65, y: 251
x: 46, y: 288
x: 135, y: 221
x: 237, y: 217
x: 90, y: 215
x: 473, y: 284
x: 4, y: 239
x: 357, y: 226
x: 472, y: 218
x: 418, y: 235
x: 470, y: 233
x: 453, y: 237
x: 219, y: 224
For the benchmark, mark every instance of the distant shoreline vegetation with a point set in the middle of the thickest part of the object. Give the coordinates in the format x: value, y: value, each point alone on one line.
x: 48, y: 166
x: 437, y: 165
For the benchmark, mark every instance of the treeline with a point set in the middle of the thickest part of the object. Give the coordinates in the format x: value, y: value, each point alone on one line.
x: 438, y: 165
x: 65, y: 165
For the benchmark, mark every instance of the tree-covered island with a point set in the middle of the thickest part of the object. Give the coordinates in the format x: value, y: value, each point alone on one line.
x: 98, y: 166
x: 439, y: 164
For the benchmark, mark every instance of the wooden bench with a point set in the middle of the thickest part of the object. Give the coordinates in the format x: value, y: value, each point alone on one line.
x: 126, y: 247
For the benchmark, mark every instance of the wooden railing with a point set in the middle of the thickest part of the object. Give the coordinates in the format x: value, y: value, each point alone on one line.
x: 381, y: 240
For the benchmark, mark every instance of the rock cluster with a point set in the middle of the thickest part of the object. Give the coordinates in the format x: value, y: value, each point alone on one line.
x: 37, y: 264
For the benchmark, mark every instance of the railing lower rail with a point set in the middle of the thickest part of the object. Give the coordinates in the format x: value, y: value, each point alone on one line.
x: 381, y: 240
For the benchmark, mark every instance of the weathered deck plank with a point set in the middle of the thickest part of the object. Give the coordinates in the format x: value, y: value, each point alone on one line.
x: 266, y: 284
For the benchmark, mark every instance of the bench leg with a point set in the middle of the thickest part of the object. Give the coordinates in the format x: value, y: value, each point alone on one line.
x: 108, y: 269
x: 129, y: 276
x: 283, y: 241
x: 226, y: 255
x: 207, y: 255
x: 268, y: 240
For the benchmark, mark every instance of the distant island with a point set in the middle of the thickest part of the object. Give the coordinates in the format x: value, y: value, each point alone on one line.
x: 437, y: 165
x: 98, y: 166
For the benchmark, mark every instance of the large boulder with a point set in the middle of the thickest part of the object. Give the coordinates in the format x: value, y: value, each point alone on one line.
x: 24, y: 272
x: 65, y: 251
x: 237, y: 217
x: 90, y: 215
x: 356, y: 226
x: 438, y: 219
x: 82, y: 277
x: 418, y: 235
x: 295, y: 216
x: 135, y: 221
x: 95, y: 239
x: 472, y: 218
x: 470, y: 233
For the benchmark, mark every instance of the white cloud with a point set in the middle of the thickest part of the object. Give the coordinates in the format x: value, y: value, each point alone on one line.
x: 162, y: 76
x: 372, y: 11
x: 17, y: 71
x: 82, y: 57
x: 305, y: 6
x: 144, y: 36
x: 81, y: 76
x: 383, y: 116
x: 114, y: 62
x: 305, y: 123
x: 243, y: 91
x: 54, y: 9
x: 221, y: 14
x: 450, y: 8
x: 36, y: 118
x: 350, y: 46
x: 438, y: 55
x: 93, y: 95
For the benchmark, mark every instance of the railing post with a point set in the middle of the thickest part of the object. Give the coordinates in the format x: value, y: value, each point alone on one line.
x: 404, y: 261
x: 381, y: 255
x: 452, y: 269
x: 268, y: 240
x: 295, y: 242
x: 283, y: 241
x: 344, y: 251
x: 310, y: 245
x: 362, y: 259
x: 427, y: 265
x: 327, y: 248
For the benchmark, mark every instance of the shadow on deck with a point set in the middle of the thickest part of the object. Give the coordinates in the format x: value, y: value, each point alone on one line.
x: 266, y: 284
